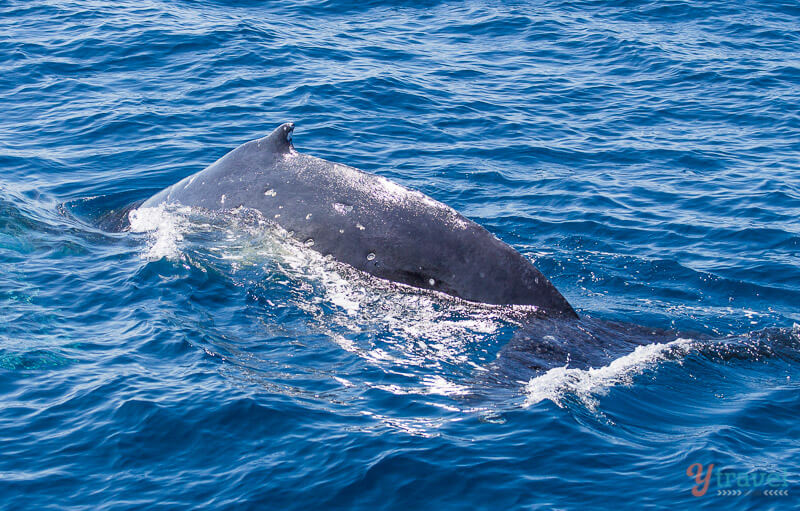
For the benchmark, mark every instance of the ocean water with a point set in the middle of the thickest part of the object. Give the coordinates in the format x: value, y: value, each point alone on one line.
x: 645, y: 155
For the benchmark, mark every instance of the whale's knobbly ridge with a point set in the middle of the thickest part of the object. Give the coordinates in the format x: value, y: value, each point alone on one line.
x: 368, y: 222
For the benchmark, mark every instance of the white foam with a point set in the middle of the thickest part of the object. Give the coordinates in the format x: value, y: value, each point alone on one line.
x: 165, y: 227
x: 586, y: 384
x: 411, y: 328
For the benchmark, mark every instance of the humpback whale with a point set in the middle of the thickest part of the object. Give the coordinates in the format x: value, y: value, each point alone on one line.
x: 367, y: 222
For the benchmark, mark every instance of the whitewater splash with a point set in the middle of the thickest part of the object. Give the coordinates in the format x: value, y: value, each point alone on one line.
x: 165, y: 228
x: 388, y: 324
x: 585, y: 385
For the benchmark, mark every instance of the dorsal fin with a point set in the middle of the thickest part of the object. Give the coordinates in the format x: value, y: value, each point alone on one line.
x: 280, y: 140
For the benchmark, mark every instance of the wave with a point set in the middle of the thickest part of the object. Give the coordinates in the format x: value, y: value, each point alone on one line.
x: 564, y: 385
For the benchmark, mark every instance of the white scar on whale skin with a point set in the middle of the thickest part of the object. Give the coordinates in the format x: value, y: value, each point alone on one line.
x: 189, y: 181
x: 342, y: 209
x: 393, y: 193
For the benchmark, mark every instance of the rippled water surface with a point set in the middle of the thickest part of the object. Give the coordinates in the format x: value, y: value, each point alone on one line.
x: 644, y: 155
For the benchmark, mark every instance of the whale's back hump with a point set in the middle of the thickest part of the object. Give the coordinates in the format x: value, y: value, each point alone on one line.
x: 368, y: 222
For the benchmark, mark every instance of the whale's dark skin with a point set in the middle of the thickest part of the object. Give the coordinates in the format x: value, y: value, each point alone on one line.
x: 368, y: 222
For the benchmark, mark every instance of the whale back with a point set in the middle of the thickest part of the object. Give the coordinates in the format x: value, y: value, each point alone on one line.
x: 367, y: 222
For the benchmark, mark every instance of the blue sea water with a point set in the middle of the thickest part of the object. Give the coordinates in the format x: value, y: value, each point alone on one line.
x: 645, y: 155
